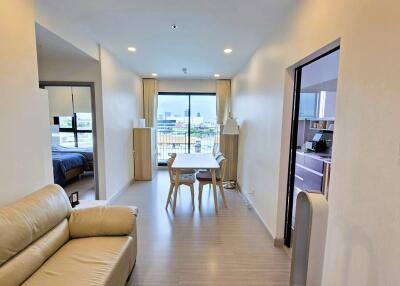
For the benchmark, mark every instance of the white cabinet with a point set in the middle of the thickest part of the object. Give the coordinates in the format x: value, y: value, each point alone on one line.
x: 145, y: 161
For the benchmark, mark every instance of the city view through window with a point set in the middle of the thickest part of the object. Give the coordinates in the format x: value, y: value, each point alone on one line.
x: 186, y: 124
x: 79, y: 136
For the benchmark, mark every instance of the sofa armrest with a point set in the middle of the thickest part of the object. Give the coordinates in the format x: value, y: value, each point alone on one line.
x: 102, y: 221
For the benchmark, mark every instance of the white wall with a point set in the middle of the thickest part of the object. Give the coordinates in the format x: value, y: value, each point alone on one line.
x: 25, y: 134
x: 363, y: 233
x: 87, y: 71
x: 118, y: 98
x: 122, y: 108
x: 321, y: 71
x: 118, y: 105
x: 187, y: 85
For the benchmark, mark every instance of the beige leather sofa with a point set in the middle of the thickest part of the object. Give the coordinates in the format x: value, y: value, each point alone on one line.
x: 43, y: 241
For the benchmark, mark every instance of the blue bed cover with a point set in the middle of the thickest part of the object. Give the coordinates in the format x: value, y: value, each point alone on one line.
x: 62, y: 162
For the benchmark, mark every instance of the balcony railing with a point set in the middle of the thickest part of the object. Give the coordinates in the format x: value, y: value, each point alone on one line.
x: 202, y: 140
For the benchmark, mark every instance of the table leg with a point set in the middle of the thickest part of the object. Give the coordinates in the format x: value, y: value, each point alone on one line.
x: 177, y: 176
x: 214, y: 183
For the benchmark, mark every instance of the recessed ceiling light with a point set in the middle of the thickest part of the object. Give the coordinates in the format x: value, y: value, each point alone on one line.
x: 132, y: 49
x: 216, y: 75
x: 228, y: 51
x: 154, y: 74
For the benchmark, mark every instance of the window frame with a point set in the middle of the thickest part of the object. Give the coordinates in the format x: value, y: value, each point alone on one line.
x: 189, y: 95
x: 74, y: 128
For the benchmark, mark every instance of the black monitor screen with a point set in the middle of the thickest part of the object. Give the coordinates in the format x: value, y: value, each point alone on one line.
x: 317, y: 137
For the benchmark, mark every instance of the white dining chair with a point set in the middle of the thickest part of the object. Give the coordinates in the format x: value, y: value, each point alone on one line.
x: 205, y: 178
x: 187, y: 179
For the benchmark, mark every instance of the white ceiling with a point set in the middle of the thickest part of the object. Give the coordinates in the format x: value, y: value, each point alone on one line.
x: 205, y: 28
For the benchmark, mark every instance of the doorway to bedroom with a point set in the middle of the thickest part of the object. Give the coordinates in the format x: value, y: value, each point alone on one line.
x: 73, y: 130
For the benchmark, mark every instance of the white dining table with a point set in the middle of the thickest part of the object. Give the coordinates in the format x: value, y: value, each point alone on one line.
x: 196, y: 161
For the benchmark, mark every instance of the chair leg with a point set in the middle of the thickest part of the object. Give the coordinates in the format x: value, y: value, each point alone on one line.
x: 200, y: 193
x: 192, y: 191
x: 171, y: 189
x: 176, y: 189
x: 221, y: 189
x: 177, y: 184
x: 214, y: 185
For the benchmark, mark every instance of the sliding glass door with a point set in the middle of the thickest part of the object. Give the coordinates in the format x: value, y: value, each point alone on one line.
x: 186, y: 123
x: 203, y: 123
x: 172, y: 125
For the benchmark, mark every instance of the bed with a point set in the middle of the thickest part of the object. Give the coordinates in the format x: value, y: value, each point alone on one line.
x: 86, y: 152
x: 67, y: 166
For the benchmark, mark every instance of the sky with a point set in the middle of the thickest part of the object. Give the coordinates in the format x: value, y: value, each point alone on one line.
x: 177, y: 105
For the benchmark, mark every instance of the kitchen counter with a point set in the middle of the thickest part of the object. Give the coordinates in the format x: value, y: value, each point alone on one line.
x: 325, y: 157
x: 310, y: 174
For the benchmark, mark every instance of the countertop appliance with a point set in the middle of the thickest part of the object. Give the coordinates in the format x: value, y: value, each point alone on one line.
x: 317, y: 144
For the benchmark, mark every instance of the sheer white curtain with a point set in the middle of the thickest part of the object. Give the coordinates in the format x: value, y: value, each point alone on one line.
x: 223, y: 99
x: 82, y: 99
x: 60, y: 100
x: 150, y: 95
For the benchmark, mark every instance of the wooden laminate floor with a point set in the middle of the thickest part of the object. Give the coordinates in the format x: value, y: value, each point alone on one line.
x: 85, y: 186
x: 200, y: 247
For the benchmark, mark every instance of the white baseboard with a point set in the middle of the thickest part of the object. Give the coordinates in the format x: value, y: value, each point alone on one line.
x: 278, y: 242
x: 117, y: 194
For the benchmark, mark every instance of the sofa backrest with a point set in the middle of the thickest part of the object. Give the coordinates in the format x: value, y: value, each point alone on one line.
x: 21, y: 266
x: 28, y: 219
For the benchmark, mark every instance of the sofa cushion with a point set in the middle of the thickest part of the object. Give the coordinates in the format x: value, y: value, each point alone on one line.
x: 206, y: 176
x: 17, y: 269
x: 30, y: 218
x: 102, y: 221
x: 88, y: 261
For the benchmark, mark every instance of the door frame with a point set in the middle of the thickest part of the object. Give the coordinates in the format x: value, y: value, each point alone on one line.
x: 293, y: 144
x: 89, y: 84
